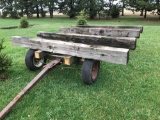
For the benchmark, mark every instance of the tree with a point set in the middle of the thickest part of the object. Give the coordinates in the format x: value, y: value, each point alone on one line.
x: 26, y: 6
x: 36, y: 5
x: 51, y: 4
x: 5, y: 61
x: 92, y: 5
x: 109, y: 5
x: 124, y: 3
x: 114, y: 11
x: 42, y: 6
x: 145, y: 5
x: 82, y: 18
x: 142, y: 5
x: 8, y: 6
x: 158, y: 7
x: 71, y: 7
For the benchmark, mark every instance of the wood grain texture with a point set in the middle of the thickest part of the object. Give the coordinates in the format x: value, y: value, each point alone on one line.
x: 102, y: 32
x: 107, y: 54
x: 113, y: 27
x: 120, y: 42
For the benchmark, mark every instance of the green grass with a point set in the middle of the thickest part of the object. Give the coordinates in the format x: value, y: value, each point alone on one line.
x: 120, y: 93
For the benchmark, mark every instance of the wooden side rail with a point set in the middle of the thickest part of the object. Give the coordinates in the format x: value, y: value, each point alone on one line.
x: 107, y: 54
x: 103, y: 31
x: 113, y: 27
x: 120, y: 42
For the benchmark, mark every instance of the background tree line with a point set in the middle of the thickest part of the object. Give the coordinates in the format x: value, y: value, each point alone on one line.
x: 16, y: 8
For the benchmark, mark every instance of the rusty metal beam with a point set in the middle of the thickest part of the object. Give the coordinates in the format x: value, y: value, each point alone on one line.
x: 46, y: 69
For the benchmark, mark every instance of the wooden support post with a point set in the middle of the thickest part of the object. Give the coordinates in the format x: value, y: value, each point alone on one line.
x: 68, y: 60
x: 40, y: 54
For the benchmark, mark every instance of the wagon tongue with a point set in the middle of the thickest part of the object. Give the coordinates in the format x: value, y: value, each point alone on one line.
x: 46, y: 69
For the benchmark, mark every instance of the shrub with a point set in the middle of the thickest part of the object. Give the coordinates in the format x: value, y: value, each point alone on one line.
x: 114, y: 12
x: 82, y: 18
x: 43, y: 14
x: 5, y: 61
x: 4, y: 14
x: 20, y: 14
x: 14, y: 15
x: 24, y: 23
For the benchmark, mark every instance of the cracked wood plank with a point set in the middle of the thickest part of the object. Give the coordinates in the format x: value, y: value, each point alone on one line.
x: 113, y: 27
x: 102, y: 53
x: 102, y: 31
x: 119, y: 42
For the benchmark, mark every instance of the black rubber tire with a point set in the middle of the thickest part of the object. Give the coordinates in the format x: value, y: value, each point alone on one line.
x: 30, y: 61
x: 89, y: 76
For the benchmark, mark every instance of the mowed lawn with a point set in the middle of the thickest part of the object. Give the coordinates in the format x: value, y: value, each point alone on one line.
x: 120, y: 93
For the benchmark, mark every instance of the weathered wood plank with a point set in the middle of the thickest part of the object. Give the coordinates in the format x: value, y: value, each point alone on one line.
x: 107, y: 54
x: 120, y: 42
x: 113, y: 27
x: 102, y: 32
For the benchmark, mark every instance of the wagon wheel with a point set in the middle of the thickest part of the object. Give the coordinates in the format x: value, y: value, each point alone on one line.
x: 90, y: 70
x: 32, y: 63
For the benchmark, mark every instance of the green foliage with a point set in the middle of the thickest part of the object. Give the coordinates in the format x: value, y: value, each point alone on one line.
x: 114, y: 12
x: 5, y: 61
x: 4, y: 14
x: 24, y: 23
x: 14, y: 15
x: 120, y: 93
x: 69, y: 7
x: 20, y: 14
x: 43, y: 14
x: 92, y: 8
x: 82, y: 18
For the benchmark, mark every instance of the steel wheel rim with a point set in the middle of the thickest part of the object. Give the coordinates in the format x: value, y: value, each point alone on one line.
x: 38, y: 62
x: 94, y: 71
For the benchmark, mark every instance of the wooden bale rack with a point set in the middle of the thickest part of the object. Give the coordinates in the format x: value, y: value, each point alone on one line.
x: 78, y: 44
x: 96, y: 43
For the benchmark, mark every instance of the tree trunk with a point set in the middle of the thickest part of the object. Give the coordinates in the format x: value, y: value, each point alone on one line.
x: 22, y: 11
x: 41, y: 10
x: 123, y: 9
x: 145, y: 13
x: 141, y: 12
x: 27, y: 12
x: 72, y: 9
x: 37, y: 10
x: 51, y: 12
x: 158, y: 9
x: 92, y: 11
x: 16, y: 7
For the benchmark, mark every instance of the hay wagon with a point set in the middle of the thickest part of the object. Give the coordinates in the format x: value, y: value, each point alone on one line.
x: 86, y: 45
